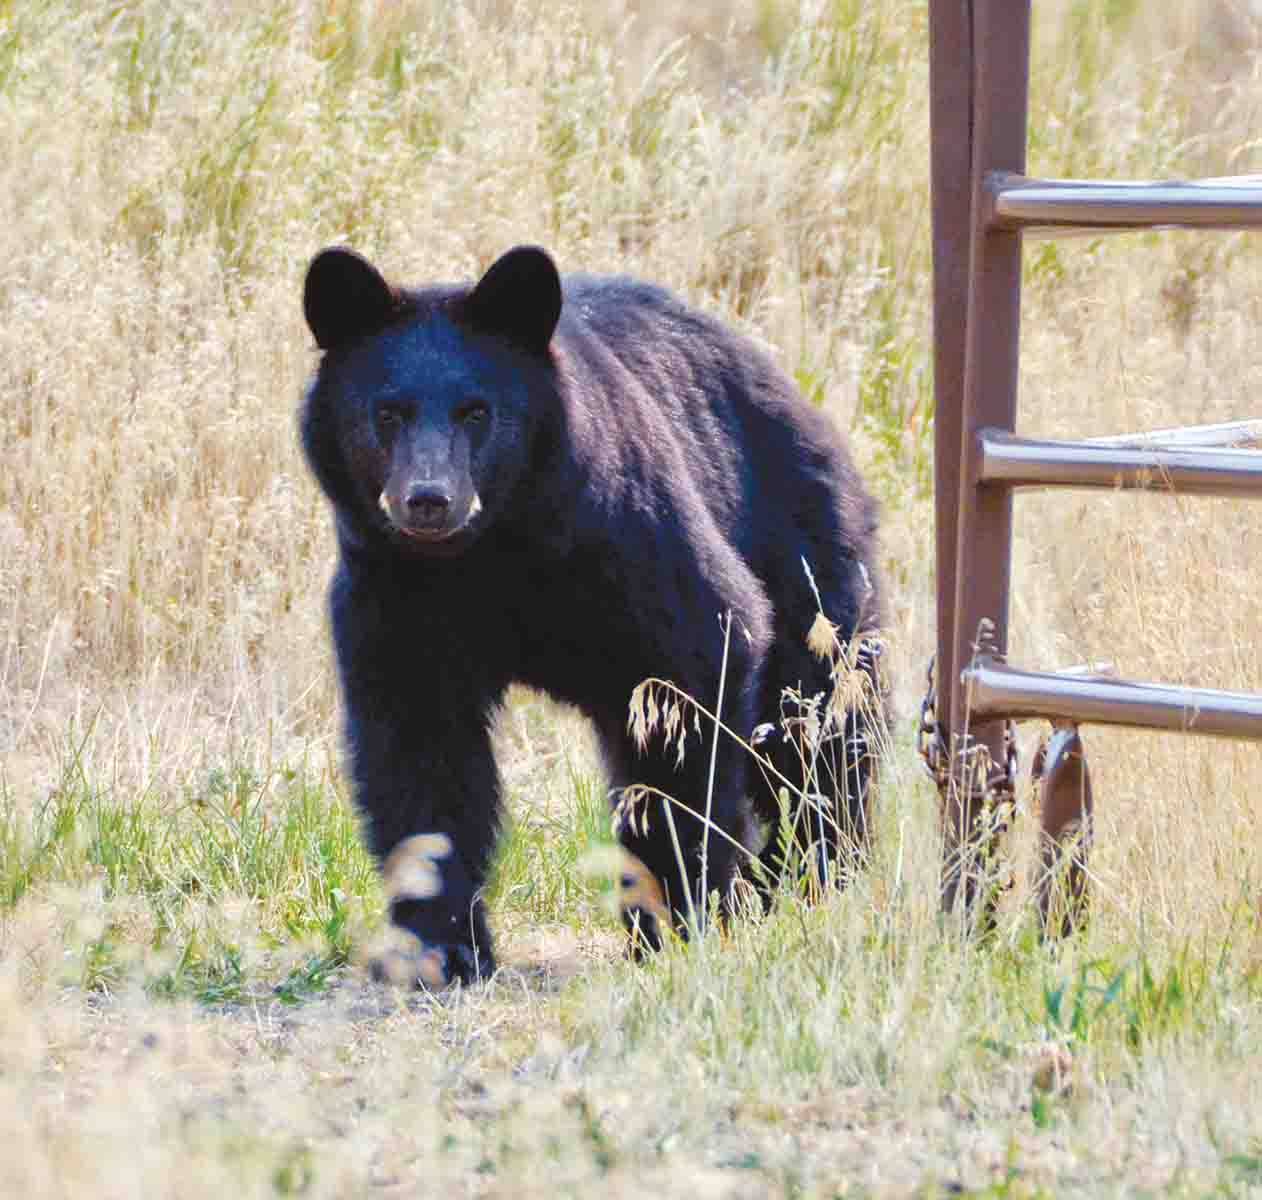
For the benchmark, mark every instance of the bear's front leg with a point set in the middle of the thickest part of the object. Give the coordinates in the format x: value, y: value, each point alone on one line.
x: 429, y: 804
x: 424, y: 781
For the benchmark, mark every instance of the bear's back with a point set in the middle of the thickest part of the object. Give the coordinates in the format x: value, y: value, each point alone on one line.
x: 709, y: 404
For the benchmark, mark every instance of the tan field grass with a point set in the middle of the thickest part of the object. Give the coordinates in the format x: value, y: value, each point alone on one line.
x: 182, y: 899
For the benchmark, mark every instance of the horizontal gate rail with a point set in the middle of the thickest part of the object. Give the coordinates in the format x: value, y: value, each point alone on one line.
x: 1227, y: 433
x: 995, y: 689
x: 1019, y: 462
x: 1017, y: 202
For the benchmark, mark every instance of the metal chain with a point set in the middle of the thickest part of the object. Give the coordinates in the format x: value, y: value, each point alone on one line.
x: 929, y: 740
x: 994, y: 782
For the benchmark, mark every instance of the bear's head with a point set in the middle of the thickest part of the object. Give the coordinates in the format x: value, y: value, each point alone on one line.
x: 420, y: 422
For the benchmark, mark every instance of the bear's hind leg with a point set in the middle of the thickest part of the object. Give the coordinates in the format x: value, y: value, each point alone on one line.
x: 814, y: 800
x: 674, y: 818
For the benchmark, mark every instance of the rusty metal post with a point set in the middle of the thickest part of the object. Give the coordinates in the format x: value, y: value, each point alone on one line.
x: 1067, y: 806
x: 1001, y: 63
x: 951, y: 126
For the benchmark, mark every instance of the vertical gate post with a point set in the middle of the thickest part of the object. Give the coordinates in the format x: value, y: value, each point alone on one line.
x: 1001, y: 63
x: 951, y: 129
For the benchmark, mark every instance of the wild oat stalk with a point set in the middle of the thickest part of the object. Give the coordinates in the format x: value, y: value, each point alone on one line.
x: 659, y: 707
x: 714, y: 758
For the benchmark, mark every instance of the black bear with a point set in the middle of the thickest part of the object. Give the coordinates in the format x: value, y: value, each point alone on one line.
x: 568, y: 483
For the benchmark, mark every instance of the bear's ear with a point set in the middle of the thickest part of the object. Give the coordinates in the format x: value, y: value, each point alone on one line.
x: 344, y: 296
x: 519, y: 297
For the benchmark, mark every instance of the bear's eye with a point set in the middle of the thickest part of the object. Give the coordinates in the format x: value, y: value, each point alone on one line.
x: 473, y: 413
x: 389, y: 416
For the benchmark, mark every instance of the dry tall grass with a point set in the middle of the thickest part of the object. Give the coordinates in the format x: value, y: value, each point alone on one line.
x: 166, y: 171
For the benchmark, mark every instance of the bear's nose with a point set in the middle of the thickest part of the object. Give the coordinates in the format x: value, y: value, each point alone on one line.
x: 428, y: 503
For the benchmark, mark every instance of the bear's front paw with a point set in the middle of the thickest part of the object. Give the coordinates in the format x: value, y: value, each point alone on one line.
x: 445, y: 945
x: 430, y: 967
x: 643, y: 908
x: 644, y: 934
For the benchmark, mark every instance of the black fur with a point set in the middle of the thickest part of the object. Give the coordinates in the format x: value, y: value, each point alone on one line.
x: 566, y: 484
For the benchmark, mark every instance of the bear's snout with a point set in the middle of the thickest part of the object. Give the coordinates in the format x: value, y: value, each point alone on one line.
x: 428, y: 511
x: 427, y: 504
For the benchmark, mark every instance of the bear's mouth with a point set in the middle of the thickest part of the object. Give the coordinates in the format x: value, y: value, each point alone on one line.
x: 429, y: 535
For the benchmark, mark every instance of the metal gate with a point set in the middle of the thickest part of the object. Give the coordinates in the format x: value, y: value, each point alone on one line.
x: 982, y: 201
